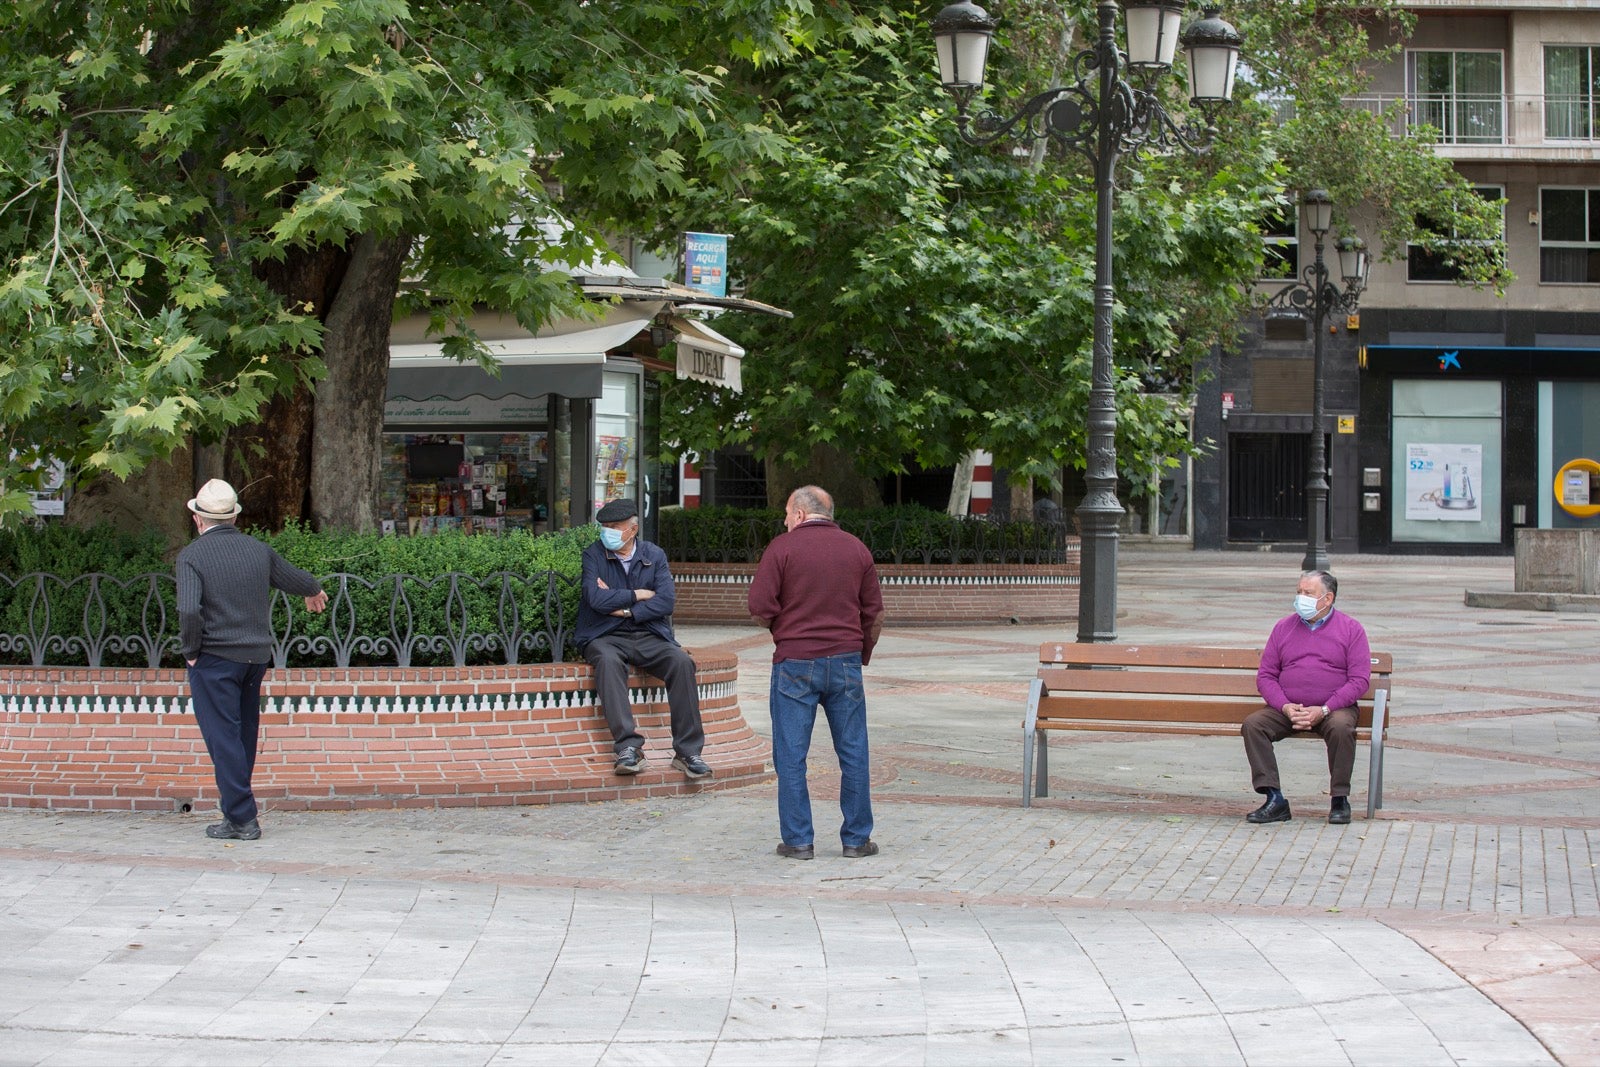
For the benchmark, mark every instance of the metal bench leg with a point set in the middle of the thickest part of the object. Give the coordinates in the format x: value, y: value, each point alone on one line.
x: 1041, y: 767
x: 1380, y: 721
x: 1030, y: 732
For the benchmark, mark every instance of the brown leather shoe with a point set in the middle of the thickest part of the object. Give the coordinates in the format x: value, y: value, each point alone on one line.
x: 797, y: 852
x: 861, y: 851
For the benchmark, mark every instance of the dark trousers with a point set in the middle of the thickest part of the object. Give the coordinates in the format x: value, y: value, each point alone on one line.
x: 611, y: 656
x: 227, y: 705
x: 1269, y: 725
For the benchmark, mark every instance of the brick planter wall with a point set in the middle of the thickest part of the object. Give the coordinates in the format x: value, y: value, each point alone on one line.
x: 72, y: 738
x: 958, y: 594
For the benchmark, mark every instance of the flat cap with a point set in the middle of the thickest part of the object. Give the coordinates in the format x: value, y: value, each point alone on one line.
x: 617, y: 510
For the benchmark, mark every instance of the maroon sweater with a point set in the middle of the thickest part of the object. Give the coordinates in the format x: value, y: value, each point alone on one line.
x: 817, y: 589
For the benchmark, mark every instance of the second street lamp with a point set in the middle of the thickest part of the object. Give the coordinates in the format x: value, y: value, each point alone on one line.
x: 1314, y: 299
x: 1101, y: 116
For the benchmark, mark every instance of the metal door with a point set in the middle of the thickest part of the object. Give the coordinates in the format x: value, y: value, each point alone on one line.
x: 1267, y: 486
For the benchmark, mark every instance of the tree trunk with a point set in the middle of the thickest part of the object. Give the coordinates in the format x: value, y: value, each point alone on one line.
x: 272, y: 455
x: 349, y: 401
x: 153, y: 497
x: 269, y: 463
x: 829, y: 468
x: 961, y: 486
x: 1022, y: 499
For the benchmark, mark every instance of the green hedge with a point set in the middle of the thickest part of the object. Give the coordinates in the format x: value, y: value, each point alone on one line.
x: 69, y: 553
x: 906, y: 533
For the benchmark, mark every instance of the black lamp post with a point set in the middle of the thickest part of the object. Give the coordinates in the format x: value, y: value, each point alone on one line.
x: 1314, y: 299
x: 1102, y: 121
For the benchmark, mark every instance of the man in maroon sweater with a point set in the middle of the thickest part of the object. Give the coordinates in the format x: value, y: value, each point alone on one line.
x: 817, y: 590
x: 1315, y: 667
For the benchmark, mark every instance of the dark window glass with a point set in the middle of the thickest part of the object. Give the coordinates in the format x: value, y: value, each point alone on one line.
x: 1280, y: 234
x: 1569, y: 236
x: 1423, y: 265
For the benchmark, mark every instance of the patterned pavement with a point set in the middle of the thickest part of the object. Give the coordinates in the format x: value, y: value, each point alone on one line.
x: 1131, y: 917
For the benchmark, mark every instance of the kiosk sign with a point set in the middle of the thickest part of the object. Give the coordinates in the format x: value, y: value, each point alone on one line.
x: 705, y: 262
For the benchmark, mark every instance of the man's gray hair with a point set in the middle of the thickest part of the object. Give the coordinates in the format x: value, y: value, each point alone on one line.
x: 1329, y: 582
x: 813, y: 500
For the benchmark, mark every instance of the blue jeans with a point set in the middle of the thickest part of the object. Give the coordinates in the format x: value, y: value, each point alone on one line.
x: 798, y: 686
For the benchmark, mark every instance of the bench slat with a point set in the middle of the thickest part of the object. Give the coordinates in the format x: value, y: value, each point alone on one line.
x: 1185, y: 683
x: 1168, y: 656
x: 1137, y: 681
x: 1123, y: 726
x: 1058, y: 709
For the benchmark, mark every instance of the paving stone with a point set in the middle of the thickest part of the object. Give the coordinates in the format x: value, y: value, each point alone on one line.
x: 1131, y: 917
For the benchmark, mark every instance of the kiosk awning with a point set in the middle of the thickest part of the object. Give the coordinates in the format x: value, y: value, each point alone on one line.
x: 707, y: 356
x: 566, y: 364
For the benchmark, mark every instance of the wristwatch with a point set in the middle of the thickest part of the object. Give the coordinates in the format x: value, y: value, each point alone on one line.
x: 627, y: 613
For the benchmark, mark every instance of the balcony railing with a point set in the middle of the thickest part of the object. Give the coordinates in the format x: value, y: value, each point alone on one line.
x: 1466, y: 119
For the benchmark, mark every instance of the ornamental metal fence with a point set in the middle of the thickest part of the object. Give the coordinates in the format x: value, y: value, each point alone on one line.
x: 930, y: 540
x: 100, y: 620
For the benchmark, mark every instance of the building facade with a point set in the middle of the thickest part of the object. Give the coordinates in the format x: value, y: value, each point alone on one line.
x: 1452, y: 415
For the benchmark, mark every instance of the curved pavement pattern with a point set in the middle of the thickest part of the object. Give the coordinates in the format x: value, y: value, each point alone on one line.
x: 1130, y: 918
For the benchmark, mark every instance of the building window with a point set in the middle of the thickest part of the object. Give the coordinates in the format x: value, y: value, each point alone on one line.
x: 1571, y: 91
x: 1461, y: 94
x: 1280, y: 232
x: 1569, y: 235
x: 1437, y: 264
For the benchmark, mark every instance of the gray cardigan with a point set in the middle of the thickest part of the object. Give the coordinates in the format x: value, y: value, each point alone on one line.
x: 225, y: 583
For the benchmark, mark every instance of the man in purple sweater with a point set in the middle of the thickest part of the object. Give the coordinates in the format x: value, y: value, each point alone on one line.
x: 1315, y: 667
x: 817, y: 590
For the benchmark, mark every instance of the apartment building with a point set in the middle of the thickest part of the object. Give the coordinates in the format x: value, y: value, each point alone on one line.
x: 1452, y: 415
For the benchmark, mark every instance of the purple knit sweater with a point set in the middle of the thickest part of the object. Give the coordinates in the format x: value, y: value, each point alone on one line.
x: 817, y: 588
x: 1330, y: 665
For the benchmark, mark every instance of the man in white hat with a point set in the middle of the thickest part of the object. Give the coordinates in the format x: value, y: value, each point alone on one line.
x: 225, y: 583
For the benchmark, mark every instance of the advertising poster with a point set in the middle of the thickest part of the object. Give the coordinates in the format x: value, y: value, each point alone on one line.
x: 705, y: 262
x: 611, y: 467
x: 1442, y: 482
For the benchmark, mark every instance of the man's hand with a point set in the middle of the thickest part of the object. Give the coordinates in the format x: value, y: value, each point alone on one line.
x: 643, y: 594
x: 191, y: 663
x: 315, y: 604
x: 1303, y: 716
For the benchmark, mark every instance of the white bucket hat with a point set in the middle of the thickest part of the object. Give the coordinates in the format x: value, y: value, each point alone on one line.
x: 216, y: 500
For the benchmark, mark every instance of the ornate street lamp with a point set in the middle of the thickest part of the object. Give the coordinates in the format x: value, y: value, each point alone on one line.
x: 1101, y: 116
x: 1314, y: 299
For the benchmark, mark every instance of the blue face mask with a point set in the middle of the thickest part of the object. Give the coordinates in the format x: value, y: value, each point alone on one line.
x: 612, y: 539
x: 1306, y: 606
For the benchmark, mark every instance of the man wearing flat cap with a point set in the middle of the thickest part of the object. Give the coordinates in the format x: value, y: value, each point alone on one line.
x: 625, y: 620
x: 225, y: 584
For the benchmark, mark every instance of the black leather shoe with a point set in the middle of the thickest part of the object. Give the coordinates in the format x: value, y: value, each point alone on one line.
x: 1339, y: 813
x: 861, y: 851
x: 691, y: 766
x: 629, y: 761
x: 797, y: 852
x: 1271, y: 811
x: 232, y: 831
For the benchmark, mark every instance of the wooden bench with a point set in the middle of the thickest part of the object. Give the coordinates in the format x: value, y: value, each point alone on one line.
x: 1167, y: 689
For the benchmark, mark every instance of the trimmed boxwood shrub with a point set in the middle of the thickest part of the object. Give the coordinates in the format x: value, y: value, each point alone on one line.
x: 511, y: 569
x: 906, y: 533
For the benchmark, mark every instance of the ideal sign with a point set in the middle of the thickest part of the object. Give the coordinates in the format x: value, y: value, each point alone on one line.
x: 707, y: 365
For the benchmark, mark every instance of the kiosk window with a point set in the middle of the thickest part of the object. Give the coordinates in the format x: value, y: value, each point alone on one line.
x: 430, y: 461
